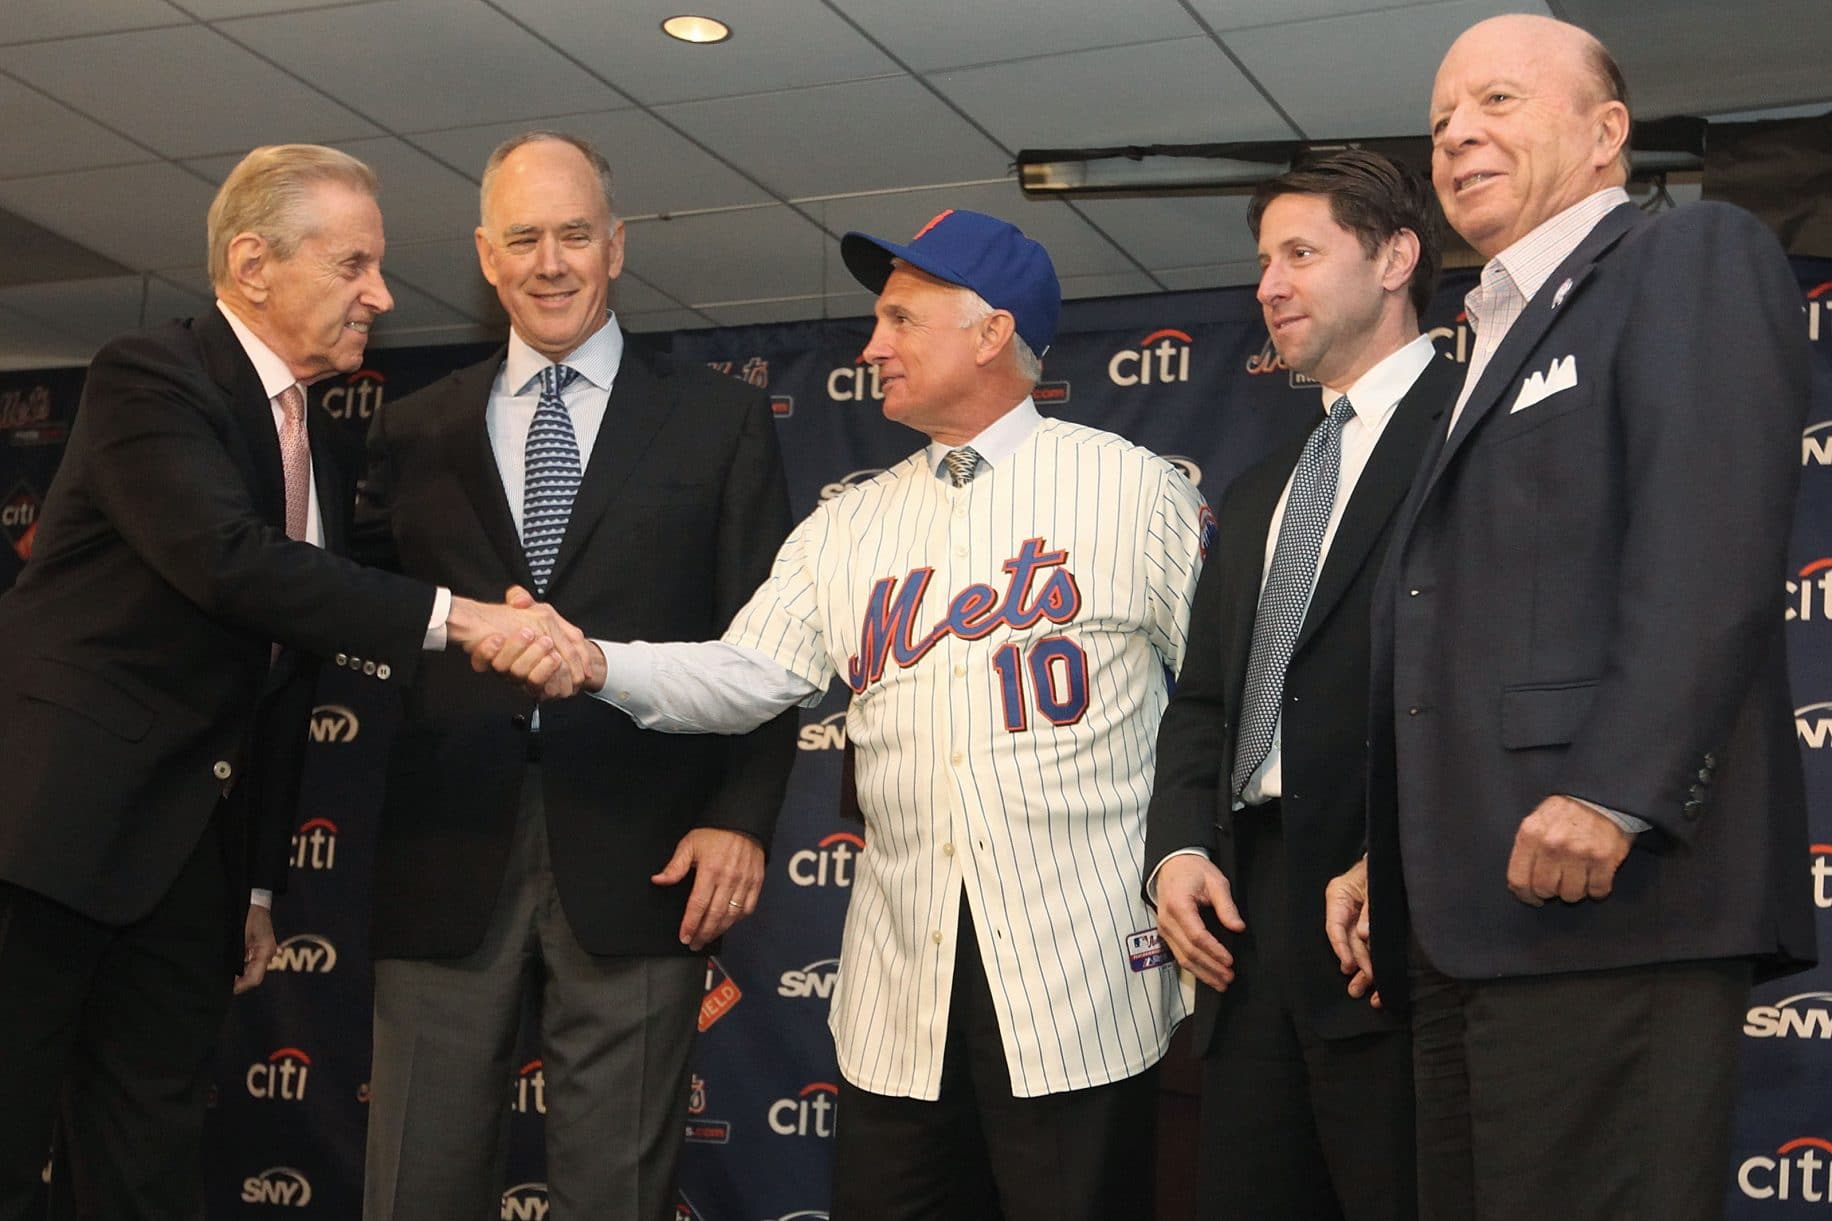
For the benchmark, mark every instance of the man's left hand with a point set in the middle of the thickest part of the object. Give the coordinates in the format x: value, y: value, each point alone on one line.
x: 258, y: 948
x: 1565, y: 850
x: 727, y: 868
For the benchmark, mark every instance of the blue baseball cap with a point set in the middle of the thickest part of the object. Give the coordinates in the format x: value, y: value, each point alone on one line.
x: 988, y: 255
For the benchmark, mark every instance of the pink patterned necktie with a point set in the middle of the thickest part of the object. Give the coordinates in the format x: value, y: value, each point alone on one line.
x: 295, y: 459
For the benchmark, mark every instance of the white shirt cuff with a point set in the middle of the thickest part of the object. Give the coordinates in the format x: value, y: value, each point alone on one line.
x: 1151, y: 883
x: 1628, y: 822
x: 260, y: 898
x: 435, y: 625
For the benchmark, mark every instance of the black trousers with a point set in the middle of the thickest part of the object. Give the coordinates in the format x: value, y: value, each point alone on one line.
x: 1594, y: 1096
x: 111, y: 1030
x: 1295, y: 1125
x: 980, y: 1154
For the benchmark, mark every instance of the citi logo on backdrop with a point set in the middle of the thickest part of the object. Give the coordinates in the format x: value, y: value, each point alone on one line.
x: 811, y: 1112
x: 1797, y: 1170
x: 1809, y: 596
x: 828, y: 863
x: 528, y: 1093
x: 315, y: 845
x: 1160, y: 358
x: 358, y: 398
x: 283, y: 1075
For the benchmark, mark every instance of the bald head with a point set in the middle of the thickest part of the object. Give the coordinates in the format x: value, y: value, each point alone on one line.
x: 1528, y: 117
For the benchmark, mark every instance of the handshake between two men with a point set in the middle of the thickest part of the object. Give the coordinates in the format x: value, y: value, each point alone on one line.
x: 528, y: 642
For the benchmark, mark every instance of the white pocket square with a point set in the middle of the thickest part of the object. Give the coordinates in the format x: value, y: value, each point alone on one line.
x: 1563, y: 375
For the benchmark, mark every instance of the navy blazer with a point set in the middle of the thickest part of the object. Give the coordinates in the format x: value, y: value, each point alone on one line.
x: 1584, y: 598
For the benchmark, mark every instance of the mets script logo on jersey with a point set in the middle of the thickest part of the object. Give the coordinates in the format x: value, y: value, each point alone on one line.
x: 1162, y: 356
x: 1797, y: 1170
x: 280, y: 1186
x: 973, y: 613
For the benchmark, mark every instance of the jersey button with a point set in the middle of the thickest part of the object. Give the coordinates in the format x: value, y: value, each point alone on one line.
x: 947, y: 849
x: 935, y: 936
x: 960, y: 671
x: 956, y: 757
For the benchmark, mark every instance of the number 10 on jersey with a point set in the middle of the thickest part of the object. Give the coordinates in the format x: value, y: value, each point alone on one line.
x: 1057, y: 671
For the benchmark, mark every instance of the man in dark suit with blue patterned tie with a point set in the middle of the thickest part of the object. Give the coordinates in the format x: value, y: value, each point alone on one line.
x: 560, y: 850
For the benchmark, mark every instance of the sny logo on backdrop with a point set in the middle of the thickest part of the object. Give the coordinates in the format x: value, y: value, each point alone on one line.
x: 721, y: 994
x: 1816, y: 578
x: 1162, y: 356
x: 528, y: 1093
x: 280, y: 1185
x: 358, y: 398
x: 305, y: 954
x: 1791, y: 1173
x: 828, y: 733
x: 283, y: 1075
x: 19, y: 517
x: 851, y: 479
x: 525, y: 1202
x: 1813, y: 724
x: 828, y: 863
x: 315, y: 844
x: 814, y: 980
x: 700, y: 1130
x: 334, y: 723
x: 1816, y: 444
x: 810, y: 1113
x: 1805, y: 1015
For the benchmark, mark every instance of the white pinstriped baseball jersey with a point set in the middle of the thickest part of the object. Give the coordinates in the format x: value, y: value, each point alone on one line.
x: 1006, y: 643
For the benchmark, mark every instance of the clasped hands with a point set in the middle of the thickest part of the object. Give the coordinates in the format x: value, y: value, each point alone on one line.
x: 527, y: 642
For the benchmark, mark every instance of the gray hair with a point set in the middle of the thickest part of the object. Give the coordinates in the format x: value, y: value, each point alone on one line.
x: 975, y: 309
x: 267, y: 195
x: 587, y: 149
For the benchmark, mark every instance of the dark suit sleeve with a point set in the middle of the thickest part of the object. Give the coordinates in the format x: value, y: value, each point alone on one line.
x: 753, y: 521
x: 1712, y: 384
x: 164, y: 477
x: 1192, y: 737
x: 372, y: 526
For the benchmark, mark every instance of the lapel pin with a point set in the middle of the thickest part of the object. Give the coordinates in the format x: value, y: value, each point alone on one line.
x: 1558, y: 298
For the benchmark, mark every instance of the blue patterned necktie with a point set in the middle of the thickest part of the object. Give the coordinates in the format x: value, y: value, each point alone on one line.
x: 550, y: 476
x: 962, y: 464
x: 1286, y: 596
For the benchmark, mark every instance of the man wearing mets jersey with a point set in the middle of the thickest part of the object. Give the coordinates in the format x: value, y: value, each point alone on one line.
x: 1004, y: 605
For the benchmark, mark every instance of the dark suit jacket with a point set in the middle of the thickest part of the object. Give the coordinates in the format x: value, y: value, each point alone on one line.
x: 1584, y: 598
x: 1325, y: 730
x: 139, y: 635
x: 682, y: 508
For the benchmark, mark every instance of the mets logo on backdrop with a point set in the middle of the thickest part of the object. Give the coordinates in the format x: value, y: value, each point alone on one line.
x: 1798, y: 1169
x: 701, y: 1130
x: 25, y: 417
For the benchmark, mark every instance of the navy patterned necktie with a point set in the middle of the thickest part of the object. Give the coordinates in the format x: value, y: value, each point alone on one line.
x: 962, y: 464
x: 550, y: 476
x: 1286, y: 596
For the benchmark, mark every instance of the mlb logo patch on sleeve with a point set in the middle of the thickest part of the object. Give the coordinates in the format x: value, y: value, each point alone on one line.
x: 1145, y: 951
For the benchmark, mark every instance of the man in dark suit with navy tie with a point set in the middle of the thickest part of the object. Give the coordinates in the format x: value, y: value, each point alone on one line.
x: 560, y: 852
x: 1586, y: 814
x: 1258, y: 802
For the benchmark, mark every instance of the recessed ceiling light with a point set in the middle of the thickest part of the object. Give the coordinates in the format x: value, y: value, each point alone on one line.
x: 696, y: 29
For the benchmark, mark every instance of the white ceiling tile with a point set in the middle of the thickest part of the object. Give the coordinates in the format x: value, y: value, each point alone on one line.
x: 208, y: 96
x: 1183, y: 91
x: 446, y: 271
x: 631, y: 294
x: 41, y: 136
x: 1013, y: 29
x: 412, y: 65
x: 1074, y: 247
x: 102, y: 307
x: 799, y: 309
x: 30, y: 344
x: 1214, y: 275
x: 859, y: 136
x: 416, y: 312
x: 33, y: 20
x: 728, y: 256
x: 1225, y: 15
x: 1701, y: 56
x: 657, y: 169
x: 775, y: 44
x: 1113, y: 284
x: 107, y: 210
x: 422, y: 200
x: 1175, y: 230
x: 218, y: 10
x: 1368, y: 74
x: 436, y: 336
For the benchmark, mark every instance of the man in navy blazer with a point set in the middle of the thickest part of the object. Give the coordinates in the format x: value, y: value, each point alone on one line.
x: 1586, y: 808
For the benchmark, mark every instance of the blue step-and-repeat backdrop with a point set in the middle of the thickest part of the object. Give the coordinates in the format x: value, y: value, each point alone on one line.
x: 1191, y: 376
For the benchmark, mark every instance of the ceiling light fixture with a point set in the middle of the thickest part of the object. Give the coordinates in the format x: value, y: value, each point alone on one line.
x: 696, y: 29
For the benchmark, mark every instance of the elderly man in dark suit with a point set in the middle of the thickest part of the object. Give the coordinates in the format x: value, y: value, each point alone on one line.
x: 547, y: 851
x: 161, y: 645
x: 1258, y: 801
x: 1587, y: 810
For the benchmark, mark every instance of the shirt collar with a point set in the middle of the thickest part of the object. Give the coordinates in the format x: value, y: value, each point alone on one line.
x: 1379, y: 390
x: 997, y: 441
x: 596, y: 360
x: 275, y: 376
x: 1531, y: 261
